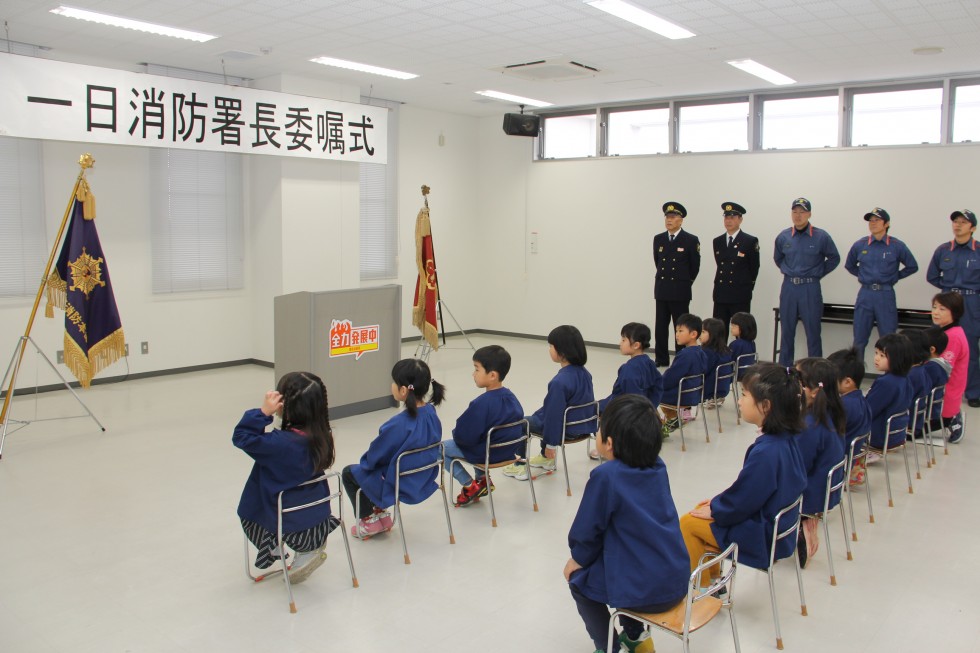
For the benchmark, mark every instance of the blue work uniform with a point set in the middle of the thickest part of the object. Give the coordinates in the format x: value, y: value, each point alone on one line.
x: 878, y: 265
x: 804, y: 256
x: 956, y: 268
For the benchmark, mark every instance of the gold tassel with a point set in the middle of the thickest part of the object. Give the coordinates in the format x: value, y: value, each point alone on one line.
x: 57, y: 293
x: 100, y: 356
x: 87, y: 198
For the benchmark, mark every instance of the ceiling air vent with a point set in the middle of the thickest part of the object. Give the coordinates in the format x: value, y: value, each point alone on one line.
x: 549, y: 70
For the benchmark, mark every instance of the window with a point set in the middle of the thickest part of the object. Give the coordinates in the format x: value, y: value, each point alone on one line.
x: 897, y: 117
x: 197, y: 223
x: 799, y: 122
x: 640, y: 131
x: 714, y: 127
x: 966, y: 114
x: 566, y: 137
x: 22, y: 234
x: 379, y: 206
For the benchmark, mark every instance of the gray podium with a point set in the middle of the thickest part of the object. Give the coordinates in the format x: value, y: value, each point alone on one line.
x: 349, y: 338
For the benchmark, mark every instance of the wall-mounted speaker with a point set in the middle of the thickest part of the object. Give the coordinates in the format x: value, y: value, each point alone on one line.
x: 521, y: 124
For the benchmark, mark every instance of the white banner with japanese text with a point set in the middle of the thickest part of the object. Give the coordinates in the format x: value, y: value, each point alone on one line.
x: 71, y: 102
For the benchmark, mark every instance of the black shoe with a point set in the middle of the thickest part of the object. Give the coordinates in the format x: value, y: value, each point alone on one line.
x: 956, y: 429
x: 801, y: 548
x: 974, y: 403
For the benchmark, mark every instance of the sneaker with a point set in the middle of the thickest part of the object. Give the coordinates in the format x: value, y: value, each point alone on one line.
x: 368, y: 527
x: 956, y: 432
x: 516, y: 470
x: 687, y: 414
x: 710, y: 404
x: 669, y: 426
x: 642, y: 645
x: 973, y: 403
x: 858, y: 474
x: 543, y: 462
x: 306, y: 563
x: 594, y: 454
x: 872, y: 458
x: 470, y: 494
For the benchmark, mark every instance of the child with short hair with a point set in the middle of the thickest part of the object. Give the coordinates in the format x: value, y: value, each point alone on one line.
x: 716, y: 353
x: 571, y: 386
x: 301, y: 449
x: 744, y: 332
x: 821, y: 446
x: 690, y: 360
x: 495, y: 406
x: 639, y: 375
x: 850, y: 374
x: 625, y: 542
x: 938, y: 369
x: 891, y: 392
x: 918, y: 378
x: 772, y: 475
x: 947, y: 309
x: 413, y: 428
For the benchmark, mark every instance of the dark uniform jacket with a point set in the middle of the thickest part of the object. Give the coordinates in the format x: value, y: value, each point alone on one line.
x: 738, y: 268
x: 677, y: 264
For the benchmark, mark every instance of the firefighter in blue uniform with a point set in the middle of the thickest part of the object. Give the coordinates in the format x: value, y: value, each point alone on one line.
x: 805, y: 255
x: 879, y: 262
x: 737, y: 261
x: 677, y: 256
x: 955, y: 267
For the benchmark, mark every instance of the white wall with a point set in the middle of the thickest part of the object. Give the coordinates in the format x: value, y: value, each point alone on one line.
x: 596, y: 219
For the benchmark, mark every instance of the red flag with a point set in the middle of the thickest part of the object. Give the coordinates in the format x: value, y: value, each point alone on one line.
x: 426, y: 285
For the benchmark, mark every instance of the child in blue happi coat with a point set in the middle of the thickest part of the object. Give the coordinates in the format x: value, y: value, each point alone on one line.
x: 857, y: 413
x: 744, y: 331
x: 689, y: 361
x: 716, y: 353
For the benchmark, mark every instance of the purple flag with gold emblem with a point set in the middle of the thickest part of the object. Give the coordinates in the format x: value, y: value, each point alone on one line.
x: 79, y: 284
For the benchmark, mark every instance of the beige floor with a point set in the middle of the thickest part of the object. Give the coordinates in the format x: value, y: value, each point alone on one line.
x: 127, y: 540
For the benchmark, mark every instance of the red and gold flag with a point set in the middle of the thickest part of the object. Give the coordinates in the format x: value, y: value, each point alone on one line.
x: 426, y: 285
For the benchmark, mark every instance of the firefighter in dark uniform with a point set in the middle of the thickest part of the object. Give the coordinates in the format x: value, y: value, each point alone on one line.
x: 737, y: 261
x: 677, y: 255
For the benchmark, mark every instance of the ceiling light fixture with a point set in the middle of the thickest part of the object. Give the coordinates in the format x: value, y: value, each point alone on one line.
x: 363, y: 68
x: 129, y: 23
x: 762, y: 72
x: 642, y: 18
x: 516, y: 99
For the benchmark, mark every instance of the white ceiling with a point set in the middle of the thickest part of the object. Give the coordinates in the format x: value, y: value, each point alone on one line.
x: 454, y: 45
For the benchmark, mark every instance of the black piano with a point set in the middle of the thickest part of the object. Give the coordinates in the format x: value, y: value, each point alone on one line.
x: 844, y: 314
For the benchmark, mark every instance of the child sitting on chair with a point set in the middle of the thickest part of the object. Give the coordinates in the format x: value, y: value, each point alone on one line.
x: 690, y: 361
x: 496, y: 406
x: 625, y: 542
x: 857, y: 413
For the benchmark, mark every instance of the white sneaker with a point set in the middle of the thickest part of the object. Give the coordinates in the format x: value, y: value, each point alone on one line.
x: 543, y: 462
x: 306, y: 563
x: 520, y: 472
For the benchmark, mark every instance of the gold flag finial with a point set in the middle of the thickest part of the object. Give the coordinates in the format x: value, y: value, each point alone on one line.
x: 86, y: 161
x: 425, y: 195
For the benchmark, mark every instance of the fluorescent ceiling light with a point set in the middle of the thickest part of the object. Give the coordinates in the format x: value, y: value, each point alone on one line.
x: 644, y: 19
x: 763, y: 72
x: 129, y: 23
x: 363, y: 67
x: 516, y: 99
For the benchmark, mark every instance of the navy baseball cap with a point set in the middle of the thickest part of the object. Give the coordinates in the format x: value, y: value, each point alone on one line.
x: 675, y: 207
x: 733, y: 208
x: 965, y: 213
x: 802, y: 202
x: 878, y: 213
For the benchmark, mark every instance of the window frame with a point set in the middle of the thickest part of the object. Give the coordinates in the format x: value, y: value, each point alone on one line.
x: 867, y: 89
x: 599, y: 132
x: 605, y: 114
x: 683, y: 104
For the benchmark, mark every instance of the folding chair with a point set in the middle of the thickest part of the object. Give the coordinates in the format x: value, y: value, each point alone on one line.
x: 486, y: 466
x: 399, y: 474
x: 280, y: 511
x: 722, y: 372
x: 838, y: 487
x: 859, y: 442
x: 742, y: 363
x: 918, y: 418
x: 938, y: 394
x: 572, y: 439
x: 697, y: 609
x: 777, y: 535
x: 699, y: 390
x: 895, y: 425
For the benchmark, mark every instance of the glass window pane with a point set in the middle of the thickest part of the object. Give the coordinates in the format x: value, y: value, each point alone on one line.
x: 569, y: 136
x: 799, y: 122
x: 714, y: 127
x: 644, y: 131
x: 897, y: 117
x: 966, y: 114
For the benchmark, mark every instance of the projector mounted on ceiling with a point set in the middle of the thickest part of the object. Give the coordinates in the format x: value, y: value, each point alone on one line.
x: 549, y: 70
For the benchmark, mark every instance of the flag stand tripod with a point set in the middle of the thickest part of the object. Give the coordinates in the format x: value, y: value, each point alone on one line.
x: 423, y: 349
x: 85, y: 161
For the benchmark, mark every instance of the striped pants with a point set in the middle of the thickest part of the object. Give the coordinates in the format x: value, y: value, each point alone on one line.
x: 300, y: 541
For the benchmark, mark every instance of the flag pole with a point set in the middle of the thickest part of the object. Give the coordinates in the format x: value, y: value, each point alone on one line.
x: 85, y: 161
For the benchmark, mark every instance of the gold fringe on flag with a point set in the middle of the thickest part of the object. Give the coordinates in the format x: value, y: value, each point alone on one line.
x: 100, y: 356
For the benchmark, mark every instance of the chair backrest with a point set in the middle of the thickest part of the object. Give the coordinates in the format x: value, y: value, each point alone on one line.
x: 697, y: 387
x: 524, y: 434
x: 938, y: 394
x: 794, y: 528
x: 728, y: 560
x: 400, y: 473
x: 321, y: 478
x: 920, y: 411
x: 896, y: 425
x: 860, y: 442
x: 725, y: 371
x: 837, y: 486
x: 591, y: 415
x: 744, y: 362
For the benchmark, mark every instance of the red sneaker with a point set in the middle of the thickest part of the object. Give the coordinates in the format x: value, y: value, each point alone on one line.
x: 471, y: 493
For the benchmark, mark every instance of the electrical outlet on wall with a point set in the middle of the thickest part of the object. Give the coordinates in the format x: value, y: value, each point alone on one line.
x: 144, y: 347
x: 60, y: 356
